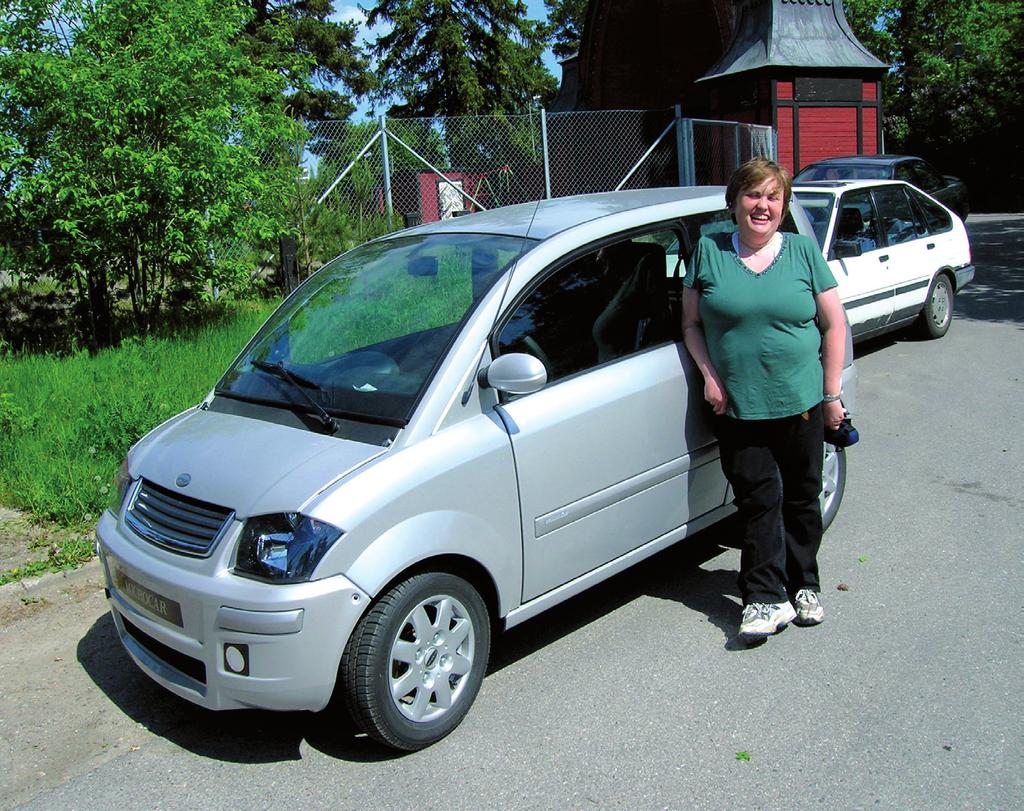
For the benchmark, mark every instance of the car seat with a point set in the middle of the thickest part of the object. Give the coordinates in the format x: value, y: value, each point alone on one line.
x: 637, y: 315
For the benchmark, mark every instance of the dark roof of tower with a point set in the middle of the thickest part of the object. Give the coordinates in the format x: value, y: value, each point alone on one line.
x: 792, y: 33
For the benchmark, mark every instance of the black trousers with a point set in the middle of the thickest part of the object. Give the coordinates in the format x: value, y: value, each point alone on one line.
x: 774, y: 467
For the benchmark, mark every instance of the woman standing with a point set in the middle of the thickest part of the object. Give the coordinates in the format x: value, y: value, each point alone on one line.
x: 764, y: 324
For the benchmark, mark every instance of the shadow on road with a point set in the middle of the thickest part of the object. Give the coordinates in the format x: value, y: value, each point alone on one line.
x: 236, y: 736
x: 997, y: 292
x: 677, y: 574
x: 257, y: 736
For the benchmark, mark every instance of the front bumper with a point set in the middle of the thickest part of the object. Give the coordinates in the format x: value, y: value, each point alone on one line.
x: 222, y: 641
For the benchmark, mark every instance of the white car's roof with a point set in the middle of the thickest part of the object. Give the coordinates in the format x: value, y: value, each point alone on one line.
x: 545, y: 218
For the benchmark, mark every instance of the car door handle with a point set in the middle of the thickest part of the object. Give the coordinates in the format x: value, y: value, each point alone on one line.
x: 883, y: 258
x: 931, y: 246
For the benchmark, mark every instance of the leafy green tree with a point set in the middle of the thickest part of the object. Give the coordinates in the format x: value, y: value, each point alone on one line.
x: 318, y: 56
x: 954, y: 93
x: 135, y: 136
x: 565, y: 25
x: 459, y: 57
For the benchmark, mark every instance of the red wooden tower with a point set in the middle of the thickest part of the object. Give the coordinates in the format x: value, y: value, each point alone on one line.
x: 791, y: 64
x: 796, y: 65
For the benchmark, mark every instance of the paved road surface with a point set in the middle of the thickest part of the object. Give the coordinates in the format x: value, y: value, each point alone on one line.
x: 911, y: 695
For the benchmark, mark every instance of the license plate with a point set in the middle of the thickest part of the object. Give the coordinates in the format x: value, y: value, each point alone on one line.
x: 147, y: 599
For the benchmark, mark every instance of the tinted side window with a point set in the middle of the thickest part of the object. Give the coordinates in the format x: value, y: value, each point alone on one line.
x: 898, y: 221
x: 924, y: 177
x: 935, y: 216
x: 602, y: 306
x: 857, y: 221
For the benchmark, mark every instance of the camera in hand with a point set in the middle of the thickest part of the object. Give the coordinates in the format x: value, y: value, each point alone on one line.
x: 843, y: 436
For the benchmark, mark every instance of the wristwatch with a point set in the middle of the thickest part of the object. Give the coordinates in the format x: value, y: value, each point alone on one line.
x: 831, y: 398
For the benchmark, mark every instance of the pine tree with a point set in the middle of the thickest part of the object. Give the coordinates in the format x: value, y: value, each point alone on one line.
x: 318, y: 55
x: 565, y: 25
x: 459, y: 57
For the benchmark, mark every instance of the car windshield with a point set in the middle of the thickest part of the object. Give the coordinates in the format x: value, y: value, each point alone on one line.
x: 362, y: 336
x: 843, y: 171
x: 818, y: 207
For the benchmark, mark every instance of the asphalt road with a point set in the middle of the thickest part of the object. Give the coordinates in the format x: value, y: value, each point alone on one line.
x: 911, y: 695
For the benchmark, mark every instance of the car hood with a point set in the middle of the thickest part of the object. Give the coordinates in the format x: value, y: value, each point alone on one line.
x: 247, y: 465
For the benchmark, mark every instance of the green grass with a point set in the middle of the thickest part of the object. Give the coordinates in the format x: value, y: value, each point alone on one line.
x: 67, y: 422
x: 61, y: 556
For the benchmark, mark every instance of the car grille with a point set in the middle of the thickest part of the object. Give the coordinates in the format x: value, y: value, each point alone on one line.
x: 179, y: 523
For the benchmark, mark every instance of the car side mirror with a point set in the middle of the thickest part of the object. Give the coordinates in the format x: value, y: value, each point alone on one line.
x: 515, y: 373
x: 842, y: 249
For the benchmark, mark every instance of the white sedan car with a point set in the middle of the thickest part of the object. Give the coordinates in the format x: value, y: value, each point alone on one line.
x: 898, y: 255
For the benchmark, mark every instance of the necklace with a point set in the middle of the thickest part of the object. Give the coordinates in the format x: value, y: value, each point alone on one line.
x: 737, y: 242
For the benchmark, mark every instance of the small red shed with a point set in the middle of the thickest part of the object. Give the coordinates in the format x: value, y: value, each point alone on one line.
x: 796, y: 65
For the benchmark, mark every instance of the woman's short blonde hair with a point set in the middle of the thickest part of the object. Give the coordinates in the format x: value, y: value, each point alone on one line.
x: 755, y: 172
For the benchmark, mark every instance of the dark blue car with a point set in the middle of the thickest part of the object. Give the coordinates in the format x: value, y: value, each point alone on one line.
x: 948, y: 190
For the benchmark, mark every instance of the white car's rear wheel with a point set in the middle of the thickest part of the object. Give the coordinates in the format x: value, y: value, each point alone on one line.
x: 937, y: 314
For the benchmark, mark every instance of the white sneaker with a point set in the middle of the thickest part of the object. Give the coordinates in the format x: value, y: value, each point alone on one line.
x: 808, y: 608
x: 761, y: 620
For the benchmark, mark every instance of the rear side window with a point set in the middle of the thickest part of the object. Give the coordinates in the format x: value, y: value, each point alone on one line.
x: 924, y: 177
x: 935, y: 216
x: 898, y: 221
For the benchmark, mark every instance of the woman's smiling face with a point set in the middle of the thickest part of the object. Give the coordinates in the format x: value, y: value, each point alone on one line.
x: 758, y: 211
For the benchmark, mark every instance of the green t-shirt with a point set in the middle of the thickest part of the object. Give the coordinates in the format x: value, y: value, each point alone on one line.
x: 759, y: 327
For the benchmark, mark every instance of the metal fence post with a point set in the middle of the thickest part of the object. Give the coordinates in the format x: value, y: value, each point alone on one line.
x: 544, y: 152
x: 680, y: 147
x: 389, y: 206
x: 689, y: 160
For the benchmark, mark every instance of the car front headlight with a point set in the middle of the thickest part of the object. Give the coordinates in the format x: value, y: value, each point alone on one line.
x: 283, y: 548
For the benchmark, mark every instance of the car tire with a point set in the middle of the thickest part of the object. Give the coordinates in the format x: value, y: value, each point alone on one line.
x: 415, y: 662
x: 937, y: 314
x: 833, y: 483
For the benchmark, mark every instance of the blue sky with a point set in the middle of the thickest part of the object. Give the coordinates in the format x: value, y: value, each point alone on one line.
x: 535, y: 10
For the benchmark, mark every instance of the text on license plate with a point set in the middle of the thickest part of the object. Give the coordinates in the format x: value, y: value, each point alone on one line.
x: 152, y: 602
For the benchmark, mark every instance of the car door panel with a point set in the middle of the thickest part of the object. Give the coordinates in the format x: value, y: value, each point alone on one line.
x: 863, y: 285
x: 911, y: 251
x: 609, y: 460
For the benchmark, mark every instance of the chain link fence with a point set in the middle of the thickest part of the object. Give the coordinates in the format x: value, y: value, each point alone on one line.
x: 363, y: 180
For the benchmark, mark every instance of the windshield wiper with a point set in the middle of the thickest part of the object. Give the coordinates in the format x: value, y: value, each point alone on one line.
x: 300, y: 384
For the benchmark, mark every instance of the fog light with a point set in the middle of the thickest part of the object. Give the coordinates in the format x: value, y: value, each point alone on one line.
x: 236, y: 659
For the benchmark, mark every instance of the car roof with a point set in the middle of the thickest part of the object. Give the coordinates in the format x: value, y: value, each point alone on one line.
x: 863, y: 160
x: 545, y: 218
x: 843, y: 185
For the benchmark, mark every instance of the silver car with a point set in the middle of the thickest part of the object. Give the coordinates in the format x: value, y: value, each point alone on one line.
x: 441, y: 434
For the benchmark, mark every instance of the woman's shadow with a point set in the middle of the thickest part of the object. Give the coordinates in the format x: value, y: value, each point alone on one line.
x: 680, y: 574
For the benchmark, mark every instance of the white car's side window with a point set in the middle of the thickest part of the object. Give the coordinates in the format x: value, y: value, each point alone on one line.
x: 857, y: 221
x: 899, y: 223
